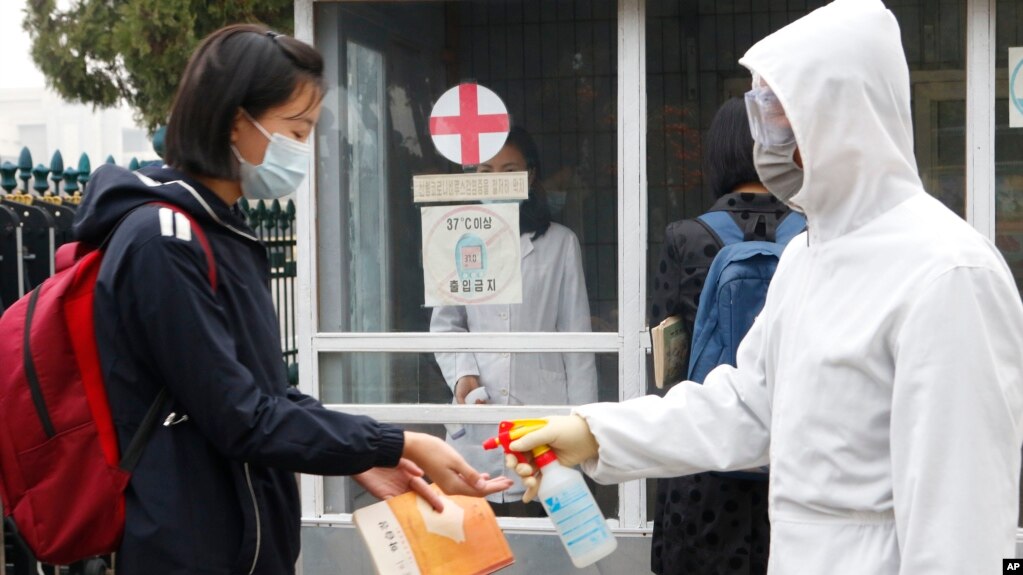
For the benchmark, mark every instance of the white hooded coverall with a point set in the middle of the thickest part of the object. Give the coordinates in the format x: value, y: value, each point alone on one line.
x: 883, y: 381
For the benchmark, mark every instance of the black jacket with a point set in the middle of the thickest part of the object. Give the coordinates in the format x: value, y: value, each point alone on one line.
x: 215, y: 493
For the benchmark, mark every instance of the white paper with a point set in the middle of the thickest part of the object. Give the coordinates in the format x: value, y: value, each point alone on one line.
x: 470, y: 187
x: 449, y: 523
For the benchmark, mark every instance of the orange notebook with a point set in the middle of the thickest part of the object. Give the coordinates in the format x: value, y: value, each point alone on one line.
x: 405, y: 536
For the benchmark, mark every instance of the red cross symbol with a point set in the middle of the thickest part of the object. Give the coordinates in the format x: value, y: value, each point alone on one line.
x: 469, y: 124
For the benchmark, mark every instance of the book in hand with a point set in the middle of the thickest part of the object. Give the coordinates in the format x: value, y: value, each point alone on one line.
x: 405, y: 536
x: 671, y: 351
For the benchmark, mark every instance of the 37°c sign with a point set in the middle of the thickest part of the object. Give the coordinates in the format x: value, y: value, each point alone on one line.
x: 471, y: 254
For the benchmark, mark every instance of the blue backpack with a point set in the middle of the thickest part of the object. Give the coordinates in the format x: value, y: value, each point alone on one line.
x: 735, y: 289
x: 734, y: 293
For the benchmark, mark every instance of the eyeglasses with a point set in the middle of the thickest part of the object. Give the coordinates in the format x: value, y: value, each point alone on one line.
x: 767, y: 120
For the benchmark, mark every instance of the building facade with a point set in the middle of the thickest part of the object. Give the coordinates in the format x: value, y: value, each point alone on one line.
x: 37, y: 119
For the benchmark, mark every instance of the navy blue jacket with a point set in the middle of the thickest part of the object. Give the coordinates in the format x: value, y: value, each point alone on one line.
x: 216, y: 493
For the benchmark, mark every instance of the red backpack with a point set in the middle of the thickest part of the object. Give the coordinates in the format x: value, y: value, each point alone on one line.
x: 62, y: 474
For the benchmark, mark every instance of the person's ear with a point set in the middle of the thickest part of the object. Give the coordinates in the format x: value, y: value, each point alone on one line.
x: 798, y: 158
x: 236, y: 125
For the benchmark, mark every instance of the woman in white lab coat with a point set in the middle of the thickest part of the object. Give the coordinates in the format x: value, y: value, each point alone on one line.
x: 553, y: 299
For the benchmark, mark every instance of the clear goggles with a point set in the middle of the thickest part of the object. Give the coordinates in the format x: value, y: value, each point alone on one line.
x: 767, y: 120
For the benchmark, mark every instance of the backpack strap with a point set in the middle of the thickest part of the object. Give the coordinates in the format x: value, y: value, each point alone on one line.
x: 791, y: 225
x: 34, y: 386
x: 727, y: 232
x: 141, y: 438
x: 722, y: 226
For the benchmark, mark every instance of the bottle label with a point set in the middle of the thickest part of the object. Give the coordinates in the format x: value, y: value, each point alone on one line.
x: 578, y: 519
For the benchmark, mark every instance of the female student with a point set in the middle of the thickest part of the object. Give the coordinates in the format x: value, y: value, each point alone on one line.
x: 183, y: 307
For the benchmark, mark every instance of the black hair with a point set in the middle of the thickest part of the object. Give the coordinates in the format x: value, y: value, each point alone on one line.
x: 242, y: 66
x: 728, y: 149
x: 535, y: 212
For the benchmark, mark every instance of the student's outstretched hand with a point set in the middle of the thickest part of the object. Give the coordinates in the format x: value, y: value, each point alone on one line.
x: 387, y: 482
x: 568, y: 436
x: 448, y: 469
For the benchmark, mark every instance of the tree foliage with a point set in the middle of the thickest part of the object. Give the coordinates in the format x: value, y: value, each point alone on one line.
x: 101, y: 52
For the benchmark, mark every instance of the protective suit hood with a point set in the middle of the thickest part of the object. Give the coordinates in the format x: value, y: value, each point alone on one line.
x: 842, y: 77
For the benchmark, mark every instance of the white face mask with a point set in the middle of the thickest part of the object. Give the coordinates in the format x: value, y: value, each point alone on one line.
x: 284, y: 166
x: 778, y: 171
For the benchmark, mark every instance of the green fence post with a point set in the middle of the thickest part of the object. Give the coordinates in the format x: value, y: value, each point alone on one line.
x: 25, y: 168
x: 56, y: 172
x: 275, y: 214
x: 39, y: 174
x: 71, y: 176
x: 74, y: 196
x: 258, y: 218
x: 84, y: 171
x: 7, y: 181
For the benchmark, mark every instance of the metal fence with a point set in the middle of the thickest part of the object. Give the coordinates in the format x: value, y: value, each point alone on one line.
x: 35, y: 219
x: 274, y: 224
x: 36, y: 216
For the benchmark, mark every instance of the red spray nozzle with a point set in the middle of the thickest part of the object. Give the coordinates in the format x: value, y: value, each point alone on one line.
x: 509, y: 431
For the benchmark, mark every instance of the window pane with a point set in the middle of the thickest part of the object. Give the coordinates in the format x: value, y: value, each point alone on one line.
x: 428, y: 378
x: 692, y: 68
x: 554, y: 65
x: 342, y: 495
x: 1009, y: 144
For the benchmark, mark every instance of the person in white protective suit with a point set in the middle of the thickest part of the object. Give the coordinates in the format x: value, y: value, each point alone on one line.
x: 883, y: 381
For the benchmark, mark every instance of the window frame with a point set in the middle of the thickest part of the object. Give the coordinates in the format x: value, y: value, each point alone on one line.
x: 629, y: 342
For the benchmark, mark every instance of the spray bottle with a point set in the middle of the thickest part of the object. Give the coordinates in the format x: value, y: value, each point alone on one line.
x: 564, y: 496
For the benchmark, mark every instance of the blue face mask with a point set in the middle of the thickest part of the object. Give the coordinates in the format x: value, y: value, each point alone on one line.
x: 284, y: 166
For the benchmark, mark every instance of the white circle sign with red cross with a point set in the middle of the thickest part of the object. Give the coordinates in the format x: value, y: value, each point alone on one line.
x: 469, y: 124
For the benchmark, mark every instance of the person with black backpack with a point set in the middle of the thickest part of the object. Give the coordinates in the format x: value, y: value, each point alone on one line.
x: 883, y: 379
x: 712, y: 522
x: 186, y: 329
